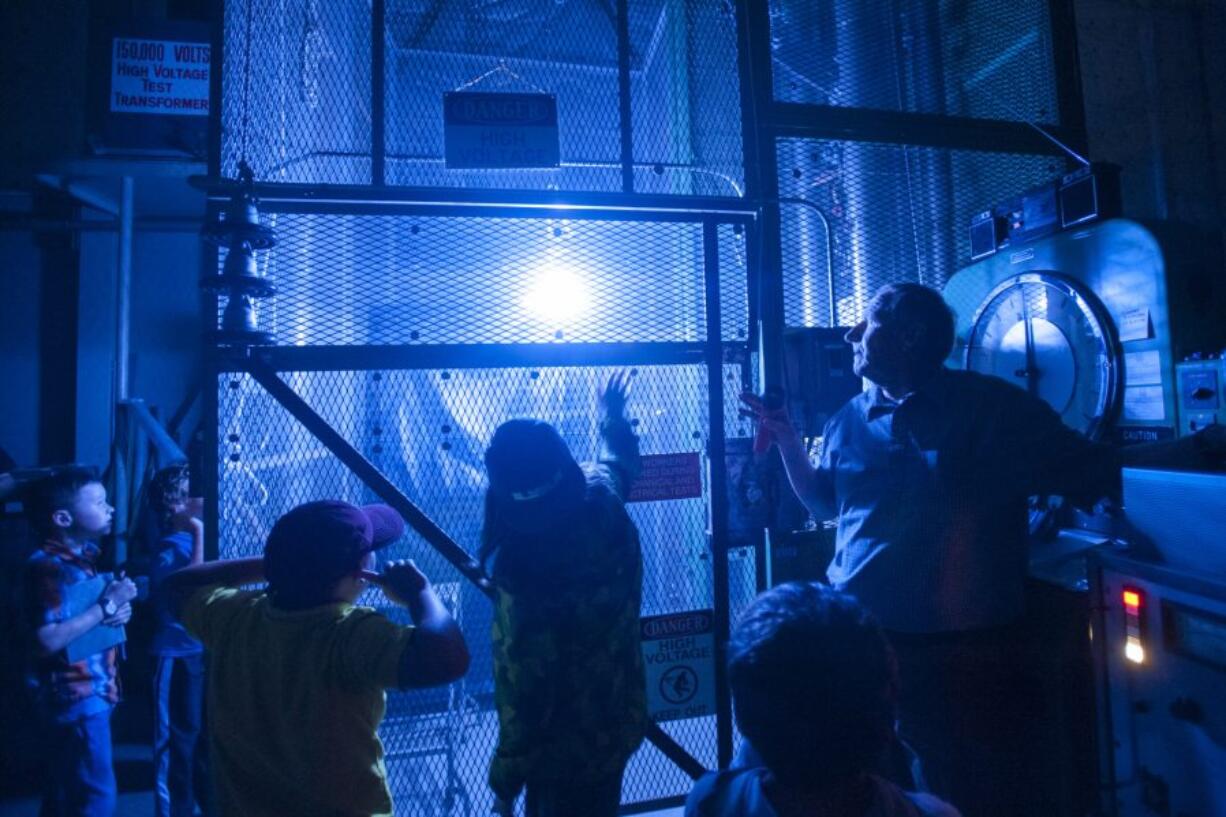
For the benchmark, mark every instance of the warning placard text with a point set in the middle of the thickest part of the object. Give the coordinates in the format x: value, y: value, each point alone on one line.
x: 500, y: 130
x: 679, y: 652
x: 161, y: 77
x: 668, y: 476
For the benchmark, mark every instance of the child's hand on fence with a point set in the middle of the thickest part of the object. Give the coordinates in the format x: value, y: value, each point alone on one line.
x: 616, y: 393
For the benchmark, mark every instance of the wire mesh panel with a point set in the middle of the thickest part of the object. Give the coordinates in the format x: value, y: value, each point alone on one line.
x: 684, y: 90
x: 989, y: 59
x: 379, y: 280
x: 296, y: 90
x: 568, y: 49
x: 427, y: 430
x: 733, y: 283
x: 857, y: 216
x: 685, y: 98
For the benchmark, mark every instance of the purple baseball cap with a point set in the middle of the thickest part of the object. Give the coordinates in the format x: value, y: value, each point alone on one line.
x: 315, y: 544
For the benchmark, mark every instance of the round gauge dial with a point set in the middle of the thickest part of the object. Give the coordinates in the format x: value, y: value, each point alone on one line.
x: 1051, y: 336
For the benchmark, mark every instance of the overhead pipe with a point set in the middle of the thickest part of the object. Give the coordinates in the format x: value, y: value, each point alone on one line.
x: 80, y: 192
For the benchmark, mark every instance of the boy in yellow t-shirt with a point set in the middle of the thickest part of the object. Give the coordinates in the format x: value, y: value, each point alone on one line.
x: 297, y: 673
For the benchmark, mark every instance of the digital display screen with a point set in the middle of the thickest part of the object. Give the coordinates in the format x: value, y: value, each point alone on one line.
x: 1195, y: 633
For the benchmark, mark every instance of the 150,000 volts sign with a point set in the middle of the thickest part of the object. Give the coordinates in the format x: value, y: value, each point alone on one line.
x: 679, y: 652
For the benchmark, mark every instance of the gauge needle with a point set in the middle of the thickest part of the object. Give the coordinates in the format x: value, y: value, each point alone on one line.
x: 1031, y: 372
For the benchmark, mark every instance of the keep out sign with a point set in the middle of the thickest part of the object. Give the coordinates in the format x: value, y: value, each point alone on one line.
x: 679, y: 652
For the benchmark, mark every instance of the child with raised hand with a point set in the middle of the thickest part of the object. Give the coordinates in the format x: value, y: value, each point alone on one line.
x: 566, y: 564
x: 178, y: 678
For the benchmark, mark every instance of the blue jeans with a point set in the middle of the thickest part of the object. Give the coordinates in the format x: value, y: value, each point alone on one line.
x: 80, y: 775
x: 179, y: 757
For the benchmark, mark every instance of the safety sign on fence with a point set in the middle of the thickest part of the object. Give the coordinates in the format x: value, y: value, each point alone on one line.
x: 501, y: 130
x: 679, y: 651
x: 668, y: 476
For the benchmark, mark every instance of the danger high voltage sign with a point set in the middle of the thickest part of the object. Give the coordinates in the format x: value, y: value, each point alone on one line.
x: 679, y: 654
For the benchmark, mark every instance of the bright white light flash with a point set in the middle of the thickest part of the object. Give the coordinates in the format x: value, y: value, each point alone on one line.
x: 557, y: 295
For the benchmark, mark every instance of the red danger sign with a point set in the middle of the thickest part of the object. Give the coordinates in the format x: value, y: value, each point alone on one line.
x: 668, y: 476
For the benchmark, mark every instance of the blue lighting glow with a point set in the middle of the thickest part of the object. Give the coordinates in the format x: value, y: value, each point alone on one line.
x: 557, y: 294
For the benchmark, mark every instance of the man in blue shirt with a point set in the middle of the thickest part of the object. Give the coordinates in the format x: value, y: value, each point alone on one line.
x: 928, y: 473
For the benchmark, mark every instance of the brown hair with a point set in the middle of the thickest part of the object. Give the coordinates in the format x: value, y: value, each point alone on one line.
x: 167, y: 489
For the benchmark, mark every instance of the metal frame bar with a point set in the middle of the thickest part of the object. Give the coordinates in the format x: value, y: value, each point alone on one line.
x: 159, y: 436
x: 646, y: 806
x: 473, y: 356
x: 210, y: 371
x: 378, y: 96
x: 216, y: 69
x: 790, y: 119
x: 350, y: 199
x: 123, y: 291
x: 718, y: 500
x: 749, y: 33
x: 752, y: 36
x: 625, y: 115
x: 766, y: 265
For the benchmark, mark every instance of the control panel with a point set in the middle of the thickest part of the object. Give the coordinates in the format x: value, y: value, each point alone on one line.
x: 1201, y: 400
x: 1087, y: 194
x: 1164, y: 668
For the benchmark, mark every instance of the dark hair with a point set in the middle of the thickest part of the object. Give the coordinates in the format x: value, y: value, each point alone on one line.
x: 535, y: 488
x: 166, y: 490
x: 915, y: 305
x: 56, y: 492
x: 814, y: 683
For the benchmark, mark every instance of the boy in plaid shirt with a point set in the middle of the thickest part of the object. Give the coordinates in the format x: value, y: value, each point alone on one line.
x: 69, y: 510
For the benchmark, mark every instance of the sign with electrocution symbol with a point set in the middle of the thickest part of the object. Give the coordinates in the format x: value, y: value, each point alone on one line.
x: 679, y: 654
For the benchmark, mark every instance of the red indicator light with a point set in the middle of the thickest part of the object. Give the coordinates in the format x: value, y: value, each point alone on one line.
x: 1132, y: 599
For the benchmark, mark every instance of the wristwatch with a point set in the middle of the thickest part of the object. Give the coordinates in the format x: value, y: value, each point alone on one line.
x: 109, y: 607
